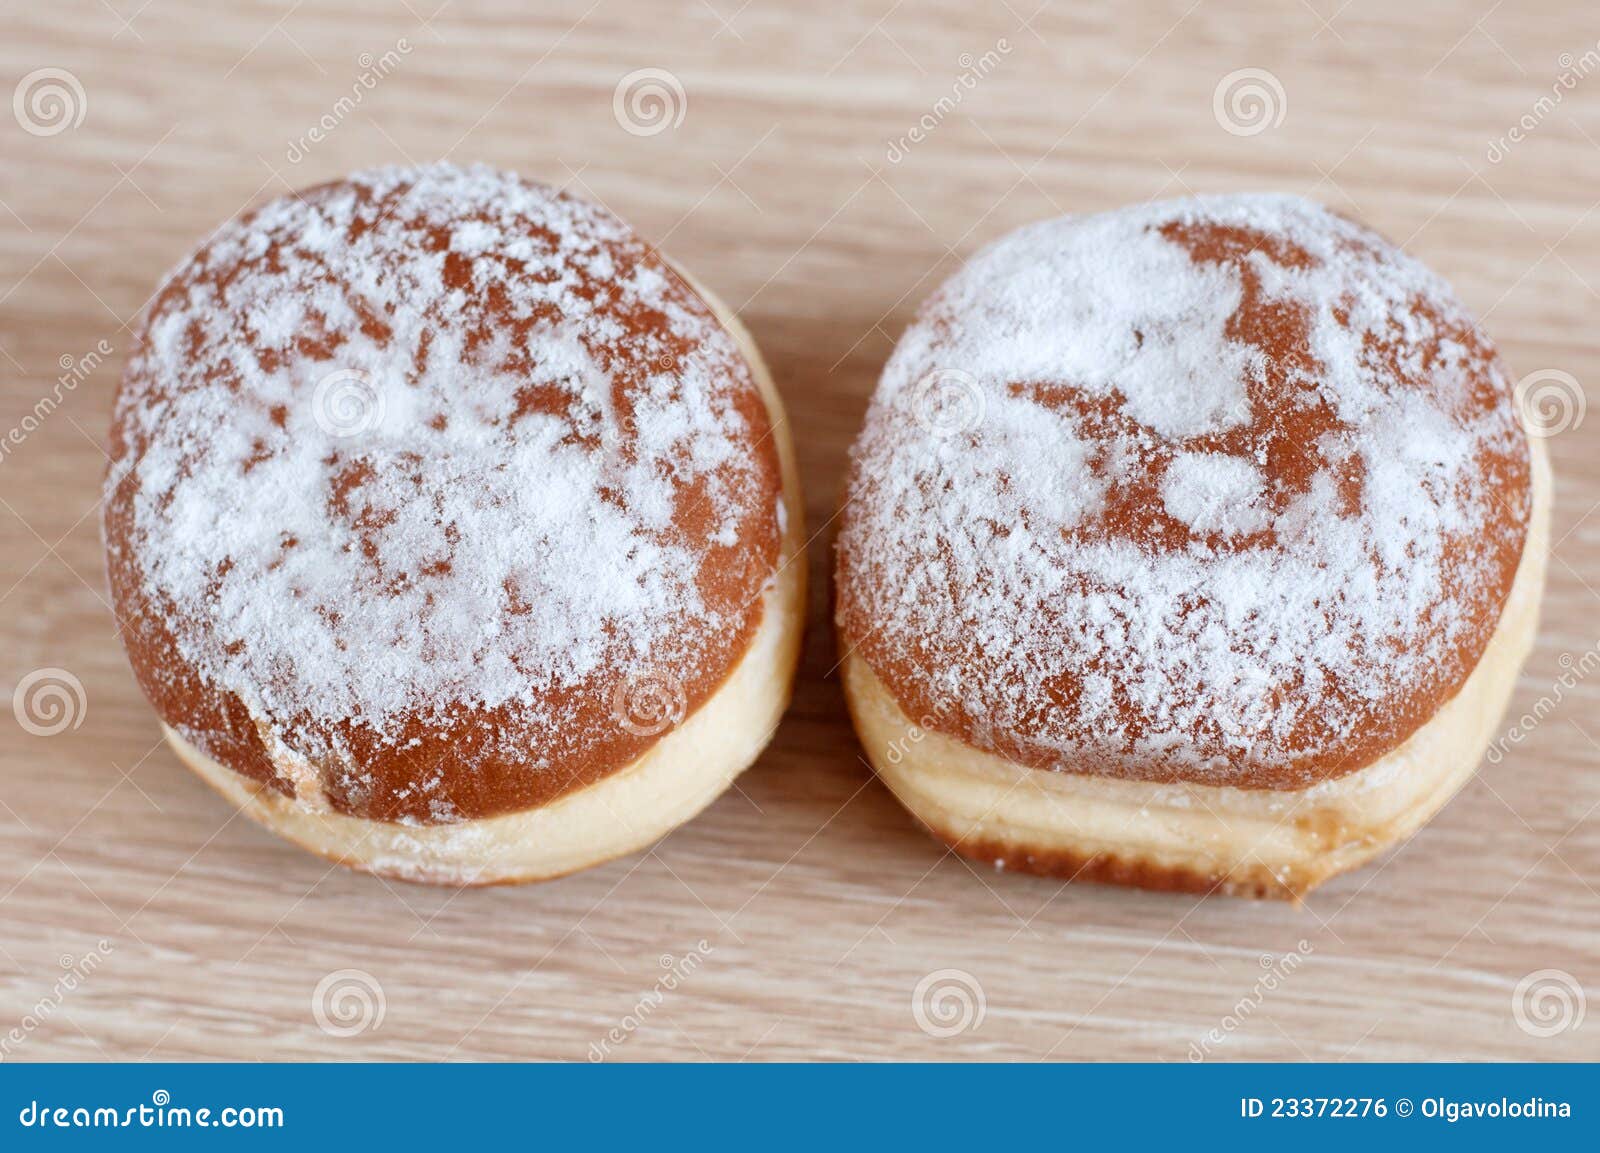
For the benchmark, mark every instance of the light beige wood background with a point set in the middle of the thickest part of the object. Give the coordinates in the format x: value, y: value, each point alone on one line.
x: 822, y: 908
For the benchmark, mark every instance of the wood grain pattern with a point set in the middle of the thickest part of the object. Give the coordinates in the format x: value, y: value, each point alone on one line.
x: 821, y: 906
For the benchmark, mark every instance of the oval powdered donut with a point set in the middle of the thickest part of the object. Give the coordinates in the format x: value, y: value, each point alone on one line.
x: 438, y: 495
x: 1226, y: 490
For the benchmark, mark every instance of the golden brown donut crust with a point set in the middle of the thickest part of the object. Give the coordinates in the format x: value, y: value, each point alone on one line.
x: 551, y: 341
x: 1304, y: 360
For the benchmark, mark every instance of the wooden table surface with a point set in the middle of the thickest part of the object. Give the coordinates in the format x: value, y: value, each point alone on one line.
x: 140, y: 918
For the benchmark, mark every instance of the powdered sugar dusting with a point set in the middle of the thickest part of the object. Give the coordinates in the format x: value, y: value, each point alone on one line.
x: 1215, y: 492
x: 1246, y: 496
x: 432, y: 443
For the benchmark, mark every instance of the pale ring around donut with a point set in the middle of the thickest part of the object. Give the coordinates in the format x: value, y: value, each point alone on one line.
x: 624, y: 812
x: 1203, y: 838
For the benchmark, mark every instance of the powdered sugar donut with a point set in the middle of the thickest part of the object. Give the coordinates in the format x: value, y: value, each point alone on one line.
x: 1195, y: 544
x: 453, y: 533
